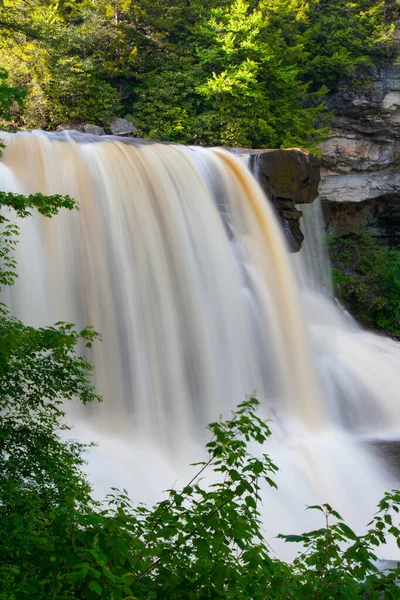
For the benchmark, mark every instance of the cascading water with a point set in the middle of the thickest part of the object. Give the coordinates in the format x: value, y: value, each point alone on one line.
x: 359, y: 369
x: 176, y: 257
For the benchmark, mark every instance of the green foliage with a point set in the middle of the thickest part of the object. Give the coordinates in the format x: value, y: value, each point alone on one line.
x: 56, y: 54
x: 203, y: 541
x: 75, y: 93
x: 40, y: 476
x: 168, y: 105
x: 344, y: 36
x: 367, y: 279
x: 254, y: 88
x: 218, y: 72
x: 336, y: 563
x: 8, y: 95
x: 45, y: 205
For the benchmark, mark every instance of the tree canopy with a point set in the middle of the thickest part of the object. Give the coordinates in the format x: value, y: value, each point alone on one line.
x: 228, y: 72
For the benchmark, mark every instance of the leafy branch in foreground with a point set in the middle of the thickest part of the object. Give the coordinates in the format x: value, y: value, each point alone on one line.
x: 8, y: 95
x: 336, y: 563
x: 203, y: 541
x: 47, y: 206
x: 40, y: 471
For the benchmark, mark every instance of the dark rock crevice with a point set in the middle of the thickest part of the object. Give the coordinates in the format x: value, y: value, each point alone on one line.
x: 380, y: 216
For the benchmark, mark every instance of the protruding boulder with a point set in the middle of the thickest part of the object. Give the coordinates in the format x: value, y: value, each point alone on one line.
x: 93, y: 129
x: 72, y: 126
x: 288, y: 177
x: 119, y: 126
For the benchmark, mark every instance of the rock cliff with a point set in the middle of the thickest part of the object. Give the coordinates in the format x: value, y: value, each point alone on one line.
x: 360, y: 174
x: 288, y: 177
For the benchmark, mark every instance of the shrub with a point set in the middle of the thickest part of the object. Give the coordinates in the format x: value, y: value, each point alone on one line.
x: 367, y: 279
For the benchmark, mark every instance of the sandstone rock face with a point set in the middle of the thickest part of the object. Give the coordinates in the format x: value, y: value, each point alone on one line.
x: 288, y: 177
x: 361, y: 158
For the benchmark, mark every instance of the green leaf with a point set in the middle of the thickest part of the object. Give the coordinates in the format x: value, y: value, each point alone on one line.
x: 250, y: 502
x: 347, y: 531
x: 95, y: 587
x: 277, y: 582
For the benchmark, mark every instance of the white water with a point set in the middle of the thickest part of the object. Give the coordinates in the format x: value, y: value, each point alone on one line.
x: 177, y: 259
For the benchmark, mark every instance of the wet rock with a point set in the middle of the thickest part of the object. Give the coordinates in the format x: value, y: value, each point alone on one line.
x: 380, y: 216
x: 288, y: 177
x: 119, y: 126
x: 93, y: 129
x: 73, y: 126
x: 389, y: 451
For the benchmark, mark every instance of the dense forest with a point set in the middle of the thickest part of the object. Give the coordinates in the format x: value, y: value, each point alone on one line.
x: 212, y: 72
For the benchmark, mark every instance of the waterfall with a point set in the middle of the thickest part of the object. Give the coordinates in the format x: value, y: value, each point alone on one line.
x: 177, y: 258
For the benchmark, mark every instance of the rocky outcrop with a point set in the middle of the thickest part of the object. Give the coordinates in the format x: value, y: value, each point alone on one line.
x: 380, y: 216
x: 289, y: 177
x: 93, y: 129
x: 116, y: 126
x: 360, y: 175
x: 124, y: 127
